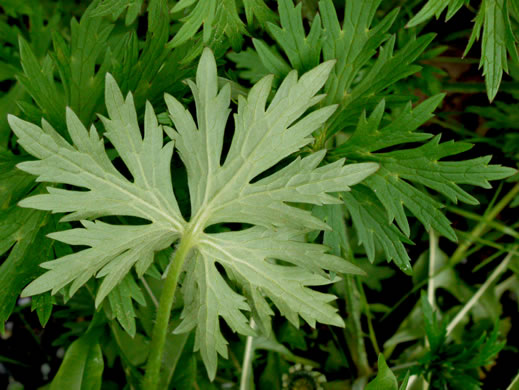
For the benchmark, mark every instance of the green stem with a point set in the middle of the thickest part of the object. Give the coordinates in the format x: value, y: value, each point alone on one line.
x: 497, y: 272
x: 246, y: 371
x: 167, y: 297
x: 433, y: 247
x: 354, y: 333
x: 493, y: 224
x: 431, y: 287
x: 482, y: 226
x: 515, y: 383
x: 369, y: 317
x: 150, y: 293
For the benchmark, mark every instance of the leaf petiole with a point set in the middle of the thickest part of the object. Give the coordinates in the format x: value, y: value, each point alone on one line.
x: 167, y: 297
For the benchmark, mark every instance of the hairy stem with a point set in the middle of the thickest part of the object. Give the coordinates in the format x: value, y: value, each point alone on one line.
x: 160, y: 329
x: 480, y: 228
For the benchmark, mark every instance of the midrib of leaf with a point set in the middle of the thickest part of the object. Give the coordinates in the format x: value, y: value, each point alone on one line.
x: 208, y: 146
x: 440, y: 223
x: 258, y: 271
x: 357, y: 32
x: 207, y: 208
x: 210, y: 206
x: 300, y: 49
x: 207, y: 289
x: 269, y: 192
x: 493, y: 47
x: 143, y: 174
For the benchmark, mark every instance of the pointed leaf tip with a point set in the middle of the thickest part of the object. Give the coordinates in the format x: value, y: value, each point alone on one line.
x: 14, y: 123
x: 109, y: 79
x: 207, y: 58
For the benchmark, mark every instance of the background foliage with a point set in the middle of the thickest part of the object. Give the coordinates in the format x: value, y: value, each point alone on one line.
x: 422, y: 252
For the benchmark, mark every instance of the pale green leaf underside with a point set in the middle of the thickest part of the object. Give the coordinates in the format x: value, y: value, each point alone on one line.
x: 219, y: 192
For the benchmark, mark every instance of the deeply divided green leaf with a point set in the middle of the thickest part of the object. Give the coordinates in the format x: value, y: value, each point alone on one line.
x: 219, y: 191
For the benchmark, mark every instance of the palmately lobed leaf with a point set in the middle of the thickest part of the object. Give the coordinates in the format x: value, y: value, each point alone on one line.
x: 395, y: 184
x: 228, y: 191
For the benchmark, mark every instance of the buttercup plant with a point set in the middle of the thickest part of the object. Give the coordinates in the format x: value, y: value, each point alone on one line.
x: 164, y: 243
x: 219, y: 193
